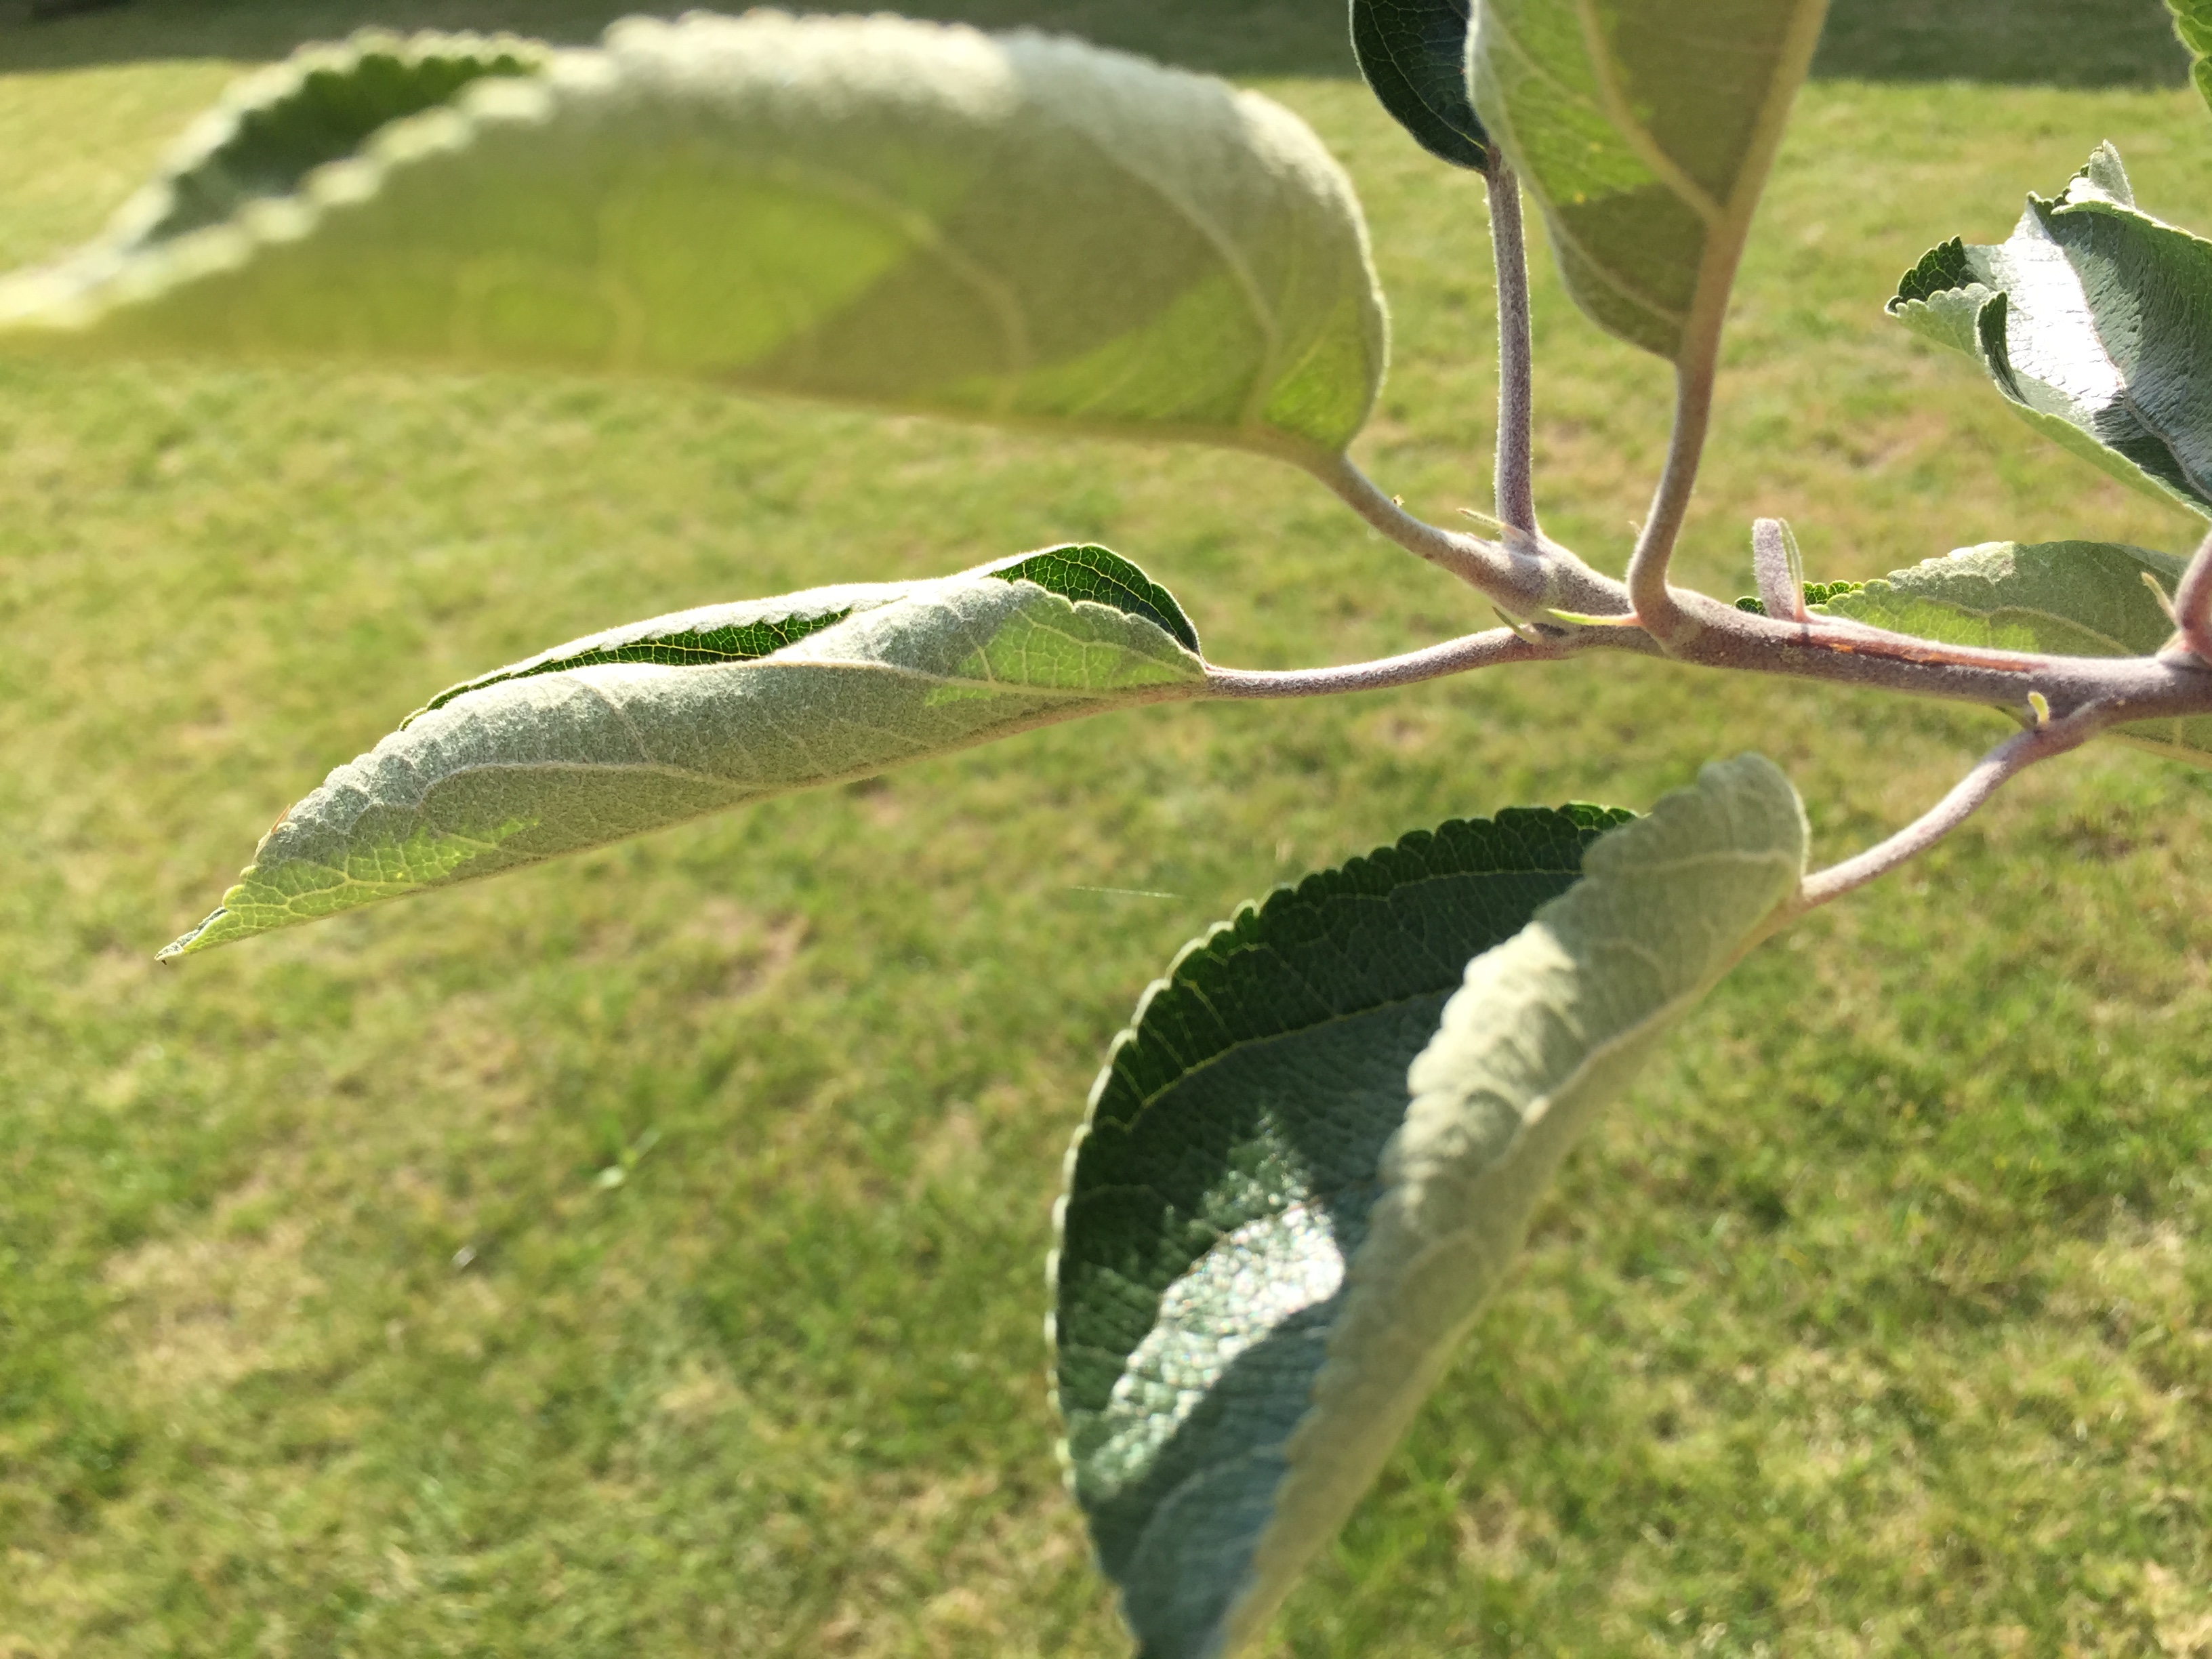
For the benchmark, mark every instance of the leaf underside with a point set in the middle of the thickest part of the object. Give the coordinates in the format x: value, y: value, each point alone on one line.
x: 1413, y: 55
x: 647, y: 726
x: 747, y: 633
x: 1249, y: 1140
x: 2094, y: 321
x: 1644, y: 128
x: 2066, y: 598
x: 872, y: 210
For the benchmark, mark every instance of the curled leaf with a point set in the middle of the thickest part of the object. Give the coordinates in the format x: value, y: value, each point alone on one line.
x: 647, y: 726
x: 2095, y: 322
x: 1274, y: 1235
x: 896, y: 214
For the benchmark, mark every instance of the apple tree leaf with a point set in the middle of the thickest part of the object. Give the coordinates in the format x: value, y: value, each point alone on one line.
x: 2094, y: 321
x: 2193, y: 22
x: 2062, y: 599
x: 1644, y: 128
x: 1274, y: 1234
x: 900, y: 215
x: 663, y: 720
x: 1413, y: 53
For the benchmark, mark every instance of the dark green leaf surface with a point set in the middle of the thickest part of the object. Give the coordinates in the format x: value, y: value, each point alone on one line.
x: 1225, y: 1176
x: 688, y: 639
x: 1544, y: 1031
x: 2094, y: 321
x: 2067, y: 598
x: 321, y: 108
x: 1312, y: 1156
x: 1413, y: 53
x: 1644, y: 128
x: 875, y: 210
x: 1081, y: 571
x: 1815, y: 593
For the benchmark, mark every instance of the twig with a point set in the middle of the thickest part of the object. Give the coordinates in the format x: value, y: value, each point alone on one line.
x: 1654, y: 601
x: 1525, y: 575
x: 1515, y: 486
x: 2015, y: 754
x: 1480, y: 563
x: 1536, y: 580
x: 1484, y: 650
x: 2192, y: 603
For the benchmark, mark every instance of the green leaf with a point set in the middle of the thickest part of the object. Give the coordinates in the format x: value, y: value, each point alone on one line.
x: 895, y: 214
x: 1272, y: 1239
x: 1239, y: 1122
x: 2193, y: 22
x: 2094, y: 321
x: 748, y: 632
x: 1085, y: 572
x: 1644, y: 128
x: 1413, y: 53
x: 2062, y: 599
x: 1815, y: 593
x: 273, y: 129
x: 650, y: 724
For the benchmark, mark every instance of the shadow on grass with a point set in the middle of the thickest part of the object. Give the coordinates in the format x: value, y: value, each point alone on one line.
x: 2071, y: 43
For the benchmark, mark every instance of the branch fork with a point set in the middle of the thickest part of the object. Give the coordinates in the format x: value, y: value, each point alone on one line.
x: 1555, y: 606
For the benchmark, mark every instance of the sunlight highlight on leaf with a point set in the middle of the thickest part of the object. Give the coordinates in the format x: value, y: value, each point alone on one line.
x: 890, y: 212
x: 1644, y: 128
x: 1274, y: 1234
x: 2092, y: 320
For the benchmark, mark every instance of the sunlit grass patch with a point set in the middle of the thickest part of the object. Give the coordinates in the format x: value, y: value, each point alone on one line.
x: 1876, y: 1323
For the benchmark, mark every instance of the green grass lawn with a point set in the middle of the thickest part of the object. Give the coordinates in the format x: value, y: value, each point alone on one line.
x: 643, y: 1255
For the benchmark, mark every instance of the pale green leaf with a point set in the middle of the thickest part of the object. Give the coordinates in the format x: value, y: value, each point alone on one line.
x: 891, y: 213
x: 1273, y: 1238
x: 2193, y: 22
x: 1644, y: 128
x: 2062, y: 599
x: 2094, y: 321
x: 665, y: 720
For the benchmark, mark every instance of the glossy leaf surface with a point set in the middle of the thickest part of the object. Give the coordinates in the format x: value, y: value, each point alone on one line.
x: 1413, y: 53
x: 1272, y: 1239
x: 650, y: 724
x: 1644, y: 128
x: 890, y: 213
x: 2094, y: 321
x: 2067, y: 598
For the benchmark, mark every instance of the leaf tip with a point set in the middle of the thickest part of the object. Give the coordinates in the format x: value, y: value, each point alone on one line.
x: 193, y: 938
